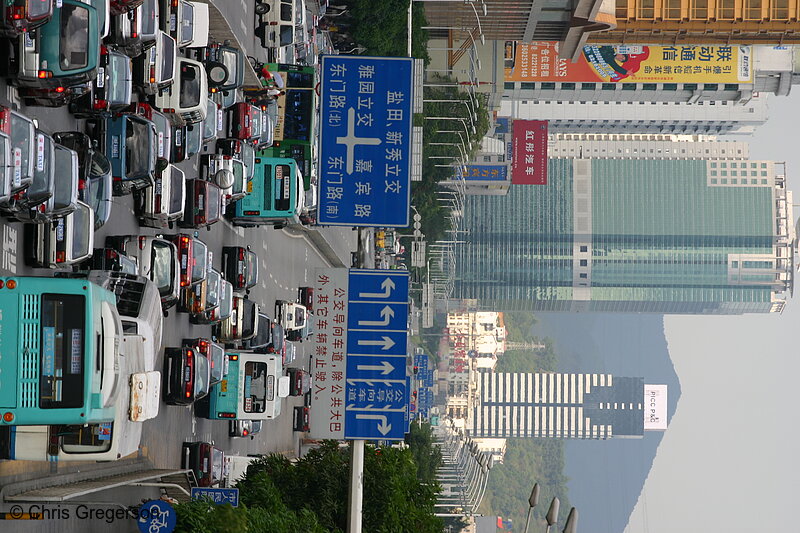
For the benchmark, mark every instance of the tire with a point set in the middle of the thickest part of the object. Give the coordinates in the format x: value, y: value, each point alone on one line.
x: 217, y: 74
x: 262, y: 9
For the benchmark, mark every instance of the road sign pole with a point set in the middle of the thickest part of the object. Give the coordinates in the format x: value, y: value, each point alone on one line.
x: 355, y: 500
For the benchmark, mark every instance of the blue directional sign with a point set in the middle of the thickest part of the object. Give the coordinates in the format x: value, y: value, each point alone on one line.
x: 377, y: 388
x: 218, y: 496
x: 365, y: 140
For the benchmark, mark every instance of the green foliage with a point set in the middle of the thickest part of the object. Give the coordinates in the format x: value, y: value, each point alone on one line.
x: 382, y: 28
x: 426, y: 454
x: 205, y: 517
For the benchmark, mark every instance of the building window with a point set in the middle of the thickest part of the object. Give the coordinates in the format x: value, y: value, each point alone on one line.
x: 584, y: 275
x: 649, y: 86
x: 763, y: 182
x: 731, y: 86
x: 584, y: 262
x: 568, y: 86
x: 713, y: 181
x: 628, y: 86
x: 548, y: 86
x: 609, y: 86
x: 509, y: 85
x: 690, y: 86
x: 584, y: 248
x: 526, y: 85
x: 588, y: 86
x: 670, y: 87
x: 710, y: 86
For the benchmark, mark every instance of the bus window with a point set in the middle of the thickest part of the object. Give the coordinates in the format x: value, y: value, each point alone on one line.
x: 63, y: 330
x: 258, y: 387
x: 92, y: 438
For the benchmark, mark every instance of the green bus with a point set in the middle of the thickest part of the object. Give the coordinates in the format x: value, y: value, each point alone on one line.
x: 59, y: 352
x: 274, y: 194
x: 295, y: 135
x: 253, y: 389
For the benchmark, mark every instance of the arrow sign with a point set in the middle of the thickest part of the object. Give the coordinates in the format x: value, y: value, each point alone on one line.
x: 385, y: 344
x: 387, y: 285
x: 384, y: 368
x: 383, y: 427
x: 387, y: 315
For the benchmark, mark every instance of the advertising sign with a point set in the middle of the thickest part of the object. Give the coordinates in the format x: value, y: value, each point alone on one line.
x: 484, y: 172
x: 365, y: 140
x: 539, y: 61
x: 655, y: 407
x: 529, y: 152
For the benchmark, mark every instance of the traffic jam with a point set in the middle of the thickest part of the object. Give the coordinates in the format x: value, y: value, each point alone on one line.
x: 160, y: 125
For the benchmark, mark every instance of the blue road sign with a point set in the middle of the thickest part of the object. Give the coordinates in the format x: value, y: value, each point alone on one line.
x: 377, y: 388
x: 156, y: 516
x: 218, y: 496
x: 365, y: 140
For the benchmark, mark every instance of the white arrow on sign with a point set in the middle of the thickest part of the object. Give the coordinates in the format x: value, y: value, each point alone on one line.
x: 387, y: 285
x: 383, y: 427
x: 387, y: 315
x: 384, y: 368
x: 387, y: 343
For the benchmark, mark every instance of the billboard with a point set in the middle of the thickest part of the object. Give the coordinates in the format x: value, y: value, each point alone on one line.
x: 477, y: 172
x: 539, y: 61
x: 655, y: 407
x: 529, y: 152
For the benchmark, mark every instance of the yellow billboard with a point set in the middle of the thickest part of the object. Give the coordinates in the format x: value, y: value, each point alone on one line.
x: 539, y: 61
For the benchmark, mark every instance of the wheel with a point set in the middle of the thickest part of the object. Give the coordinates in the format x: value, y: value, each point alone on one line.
x: 217, y: 74
x: 262, y: 9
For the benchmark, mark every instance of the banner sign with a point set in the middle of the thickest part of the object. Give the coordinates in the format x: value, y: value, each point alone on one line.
x: 655, y: 407
x: 529, y: 152
x: 484, y: 172
x: 539, y: 61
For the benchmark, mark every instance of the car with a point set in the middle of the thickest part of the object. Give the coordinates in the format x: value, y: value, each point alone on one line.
x: 65, y: 242
x: 289, y: 353
x: 262, y: 342
x: 194, y: 139
x: 55, y: 180
x: 111, y: 89
x: 228, y: 173
x: 187, y: 375
x: 20, y: 16
x: 201, y: 298
x: 161, y: 204
x: 300, y: 334
x: 62, y: 52
x: 42, y: 185
x: 291, y: 315
x: 185, y: 244
x: 110, y: 259
x: 300, y: 382
x: 305, y: 297
x: 213, y: 314
x: 206, y: 460
x: 203, y: 204
x: 240, y: 267
x: 212, y: 124
x: 241, y: 325
x: 24, y: 150
x: 137, y: 30
x: 162, y: 124
x: 238, y: 149
x: 187, y: 22
x: 158, y: 260
x: 94, y: 176
x: 244, y: 122
x: 215, y: 355
x: 155, y: 69
x: 129, y: 143
x: 224, y: 66
x: 6, y: 169
x: 120, y: 7
x: 188, y: 96
x: 301, y: 418
x: 245, y: 428
x: 179, y: 151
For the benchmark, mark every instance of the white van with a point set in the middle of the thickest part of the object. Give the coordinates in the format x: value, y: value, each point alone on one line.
x: 275, y: 23
x: 235, y: 468
x: 188, y: 96
x: 137, y: 402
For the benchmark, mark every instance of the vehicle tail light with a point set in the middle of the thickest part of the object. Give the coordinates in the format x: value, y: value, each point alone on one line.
x: 60, y: 89
x: 241, y: 280
x: 134, y: 35
x: 227, y: 415
x: 245, y: 433
x: 184, y: 239
x: 273, y: 23
x: 2, y: 283
x: 99, y: 105
x: 158, y: 203
x: 17, y: 12
x: 169, y: 110
x: 241, y: 254
x: 142, y: 241
x: 8, y: 417
x: 61, y: 256
x: 45, y: 74
x: 203, y: 345
x: 111, y: 254
x: 190, y: 364
x: 11, y: 284
x: 213, y: 90
x: 103, y: 50
x: 152, y: 74
x: 174, y: 3
x: 41, y: 208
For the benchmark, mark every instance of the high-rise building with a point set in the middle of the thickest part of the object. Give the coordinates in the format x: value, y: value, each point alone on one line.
x: 688, y: 22
x: 580, y: 406
x: 709, y: 118
x: 633, y: 232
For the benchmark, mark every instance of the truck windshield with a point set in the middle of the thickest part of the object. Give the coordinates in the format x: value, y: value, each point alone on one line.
x: 74, y: 40
x: 138, y: 152
x: 63, y: 332
x: 161, y: 271
x: 83, y: 228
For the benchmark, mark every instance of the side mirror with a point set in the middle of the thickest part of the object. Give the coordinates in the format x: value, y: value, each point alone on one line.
x: 161, y: 164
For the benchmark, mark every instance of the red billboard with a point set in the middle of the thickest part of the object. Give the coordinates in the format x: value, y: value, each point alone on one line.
x: 529, y: 152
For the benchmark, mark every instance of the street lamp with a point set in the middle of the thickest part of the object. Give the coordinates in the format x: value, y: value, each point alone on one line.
x: 571, y: 524
x: 474, y: 131
x: 472, y: 110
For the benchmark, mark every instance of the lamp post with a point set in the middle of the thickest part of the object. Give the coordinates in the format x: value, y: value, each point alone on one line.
x: 472, y: 111
x: 551, y: 518
x: 454, y: 118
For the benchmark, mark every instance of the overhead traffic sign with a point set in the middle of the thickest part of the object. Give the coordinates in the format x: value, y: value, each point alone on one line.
x: 360, y: 382
x: 365, y: 140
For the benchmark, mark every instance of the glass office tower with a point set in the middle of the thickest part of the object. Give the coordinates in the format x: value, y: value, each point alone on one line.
x: 691, y: 236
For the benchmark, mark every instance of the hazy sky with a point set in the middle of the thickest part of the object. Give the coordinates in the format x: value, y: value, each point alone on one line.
x: 730, y: 460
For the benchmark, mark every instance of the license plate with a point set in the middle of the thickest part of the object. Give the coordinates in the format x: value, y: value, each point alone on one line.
x: 173, y: 22
x: 115, y: 146
x: 219, y: 119
x: 187, y: 374
x: 40, y: 153
x: 28, y: 40
x: 286, y: 185
x: 60, y: 230
x: 178, y: 136
x: 239, y: 268
x: 184, y: 262
x: 158, y: 186
x: 248, y: 404
x: 17, y: 167
x: 160, y: 144
x: 101, y: 77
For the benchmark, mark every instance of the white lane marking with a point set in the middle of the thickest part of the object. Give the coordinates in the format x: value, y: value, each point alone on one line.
x: 236, y: 229
x: 10, y: 249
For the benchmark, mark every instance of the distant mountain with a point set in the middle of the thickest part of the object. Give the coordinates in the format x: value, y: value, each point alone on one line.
x: 606, y: 477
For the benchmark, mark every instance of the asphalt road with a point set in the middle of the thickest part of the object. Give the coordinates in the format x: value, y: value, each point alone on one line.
x: 287, y: 260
